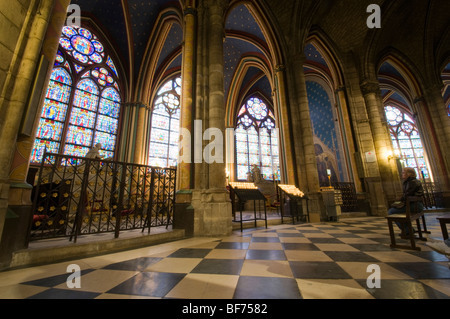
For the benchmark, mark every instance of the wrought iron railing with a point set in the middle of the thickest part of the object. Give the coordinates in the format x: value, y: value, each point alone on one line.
x: 432, y: 195
x: 76, y: 195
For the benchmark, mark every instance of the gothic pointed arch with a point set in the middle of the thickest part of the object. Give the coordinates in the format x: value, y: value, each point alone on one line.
x: 405, y: 119
x: 331, y: 132
x: 82, y: 104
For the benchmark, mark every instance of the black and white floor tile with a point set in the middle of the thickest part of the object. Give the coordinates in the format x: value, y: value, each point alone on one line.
x: 304, y: 261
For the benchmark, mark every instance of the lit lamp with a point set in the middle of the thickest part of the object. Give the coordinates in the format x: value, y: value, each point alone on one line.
x: 329, y: 177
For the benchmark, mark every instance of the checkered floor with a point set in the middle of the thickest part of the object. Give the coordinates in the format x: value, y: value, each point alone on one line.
x: 302, y: 261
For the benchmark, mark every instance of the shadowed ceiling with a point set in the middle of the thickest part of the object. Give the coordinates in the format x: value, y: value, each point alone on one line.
x: 129, y: 24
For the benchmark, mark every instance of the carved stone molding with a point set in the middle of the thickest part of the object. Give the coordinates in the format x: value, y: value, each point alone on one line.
x: 370, y: 87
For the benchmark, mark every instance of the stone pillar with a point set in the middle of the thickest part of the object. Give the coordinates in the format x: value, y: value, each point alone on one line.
x: 284, y: 123
x: 39, y: 37
x: 185, y: 168
x: 348, y: 133
x: 133, y: 133
x: 308, y: 176
x: 438, y: 137
x: 212, y: 205
x: 139, y: 139
x: 383, y: 147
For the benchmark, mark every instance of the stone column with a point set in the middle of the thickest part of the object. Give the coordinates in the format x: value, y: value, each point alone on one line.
x: 438, y: 137
x: 304, y: 141
x: 133, y: 133
x: 139, y: 139
x: 212, y: 205
x: 284, y: 123
x: 348, y: 134
x: 185, y: 168
x: 383, y: 147
x: 39, y: 36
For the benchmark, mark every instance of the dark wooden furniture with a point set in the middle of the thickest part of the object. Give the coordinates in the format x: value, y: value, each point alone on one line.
x: 412, y: 214
x: 443, y: 221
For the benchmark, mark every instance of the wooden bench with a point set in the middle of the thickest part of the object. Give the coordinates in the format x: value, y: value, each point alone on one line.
x: 443, y: 221
x: 407, y: 219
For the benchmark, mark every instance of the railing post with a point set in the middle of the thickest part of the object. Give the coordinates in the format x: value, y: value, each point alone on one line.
x: 83, y: 201
x: 120, y: 203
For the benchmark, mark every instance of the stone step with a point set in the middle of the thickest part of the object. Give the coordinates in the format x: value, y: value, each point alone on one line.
x: 52, y: 251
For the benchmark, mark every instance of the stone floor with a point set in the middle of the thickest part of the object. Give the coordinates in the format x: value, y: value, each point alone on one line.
x: 327, y: 260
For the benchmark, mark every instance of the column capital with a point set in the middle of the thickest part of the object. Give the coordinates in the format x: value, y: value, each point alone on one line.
x: 190, y: 11
x: 280, y: 68
x: 135, y: 104
x: 370, y: 86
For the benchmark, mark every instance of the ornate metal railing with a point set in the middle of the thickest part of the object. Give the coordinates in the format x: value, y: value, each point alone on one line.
x: 432, y: 195
x: 76, y: 195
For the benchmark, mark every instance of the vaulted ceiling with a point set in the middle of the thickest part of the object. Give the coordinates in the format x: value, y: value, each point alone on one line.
x: 128, y: 25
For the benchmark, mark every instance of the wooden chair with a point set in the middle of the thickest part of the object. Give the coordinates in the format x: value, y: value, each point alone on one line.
x: 407, y: 219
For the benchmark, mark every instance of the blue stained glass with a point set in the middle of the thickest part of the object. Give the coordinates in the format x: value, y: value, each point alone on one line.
x: 75, y: 150
x: 82, y: 45
x: 65, y: 44
x: 256, y: 140
x: 49, y: 129
x: 257, y: 108
x: 82, y: 117
x: 39, y: 148
x: 106, y: 154
x: 78, y: 68
x: 110, y: 63
x: 61, y: 75
x: 89, y: 86
x: 98, y: 46
x: 80, y: 57
x: 97, y: 58
x: 85, y: 33
x: 108, y: 141
x: 79, y: 136
x: 54, y: 110
x: 69, y: 31
x: 86, y: 100
x: 111, y: 94
x: 107, y: 124
x: 109, y: 108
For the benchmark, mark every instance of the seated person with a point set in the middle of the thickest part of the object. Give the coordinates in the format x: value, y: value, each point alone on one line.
x: 411, y: 187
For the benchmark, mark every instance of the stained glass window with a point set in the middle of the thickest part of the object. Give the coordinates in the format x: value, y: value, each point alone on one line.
x: 82, y: 104
x: 256, y: 140
x: 406, y: 140
x: 165, y: 125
